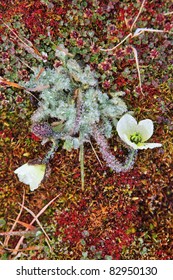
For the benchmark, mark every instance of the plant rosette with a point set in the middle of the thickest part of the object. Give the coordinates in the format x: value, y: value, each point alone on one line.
x: 136, y: 134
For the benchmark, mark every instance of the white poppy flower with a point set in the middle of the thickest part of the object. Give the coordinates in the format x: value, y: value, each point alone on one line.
x: 31, y: 174
x: 135, y: 134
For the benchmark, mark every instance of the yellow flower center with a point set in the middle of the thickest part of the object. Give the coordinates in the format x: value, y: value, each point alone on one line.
x: 136, y: 138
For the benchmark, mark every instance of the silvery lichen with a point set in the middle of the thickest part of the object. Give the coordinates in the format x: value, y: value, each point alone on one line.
x: 73, y: 109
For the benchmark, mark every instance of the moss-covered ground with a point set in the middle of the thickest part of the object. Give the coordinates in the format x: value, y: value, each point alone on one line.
x: 117, y: 216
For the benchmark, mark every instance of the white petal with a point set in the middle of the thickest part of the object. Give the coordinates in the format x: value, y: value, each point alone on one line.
x: 138, y: 30
x: 143, y: 146
x: 21, y: 169
x: 31, y: 174
x: 36, y: 176
x: 127, y: 125
x: 129, y: 143
x: 145, y: 128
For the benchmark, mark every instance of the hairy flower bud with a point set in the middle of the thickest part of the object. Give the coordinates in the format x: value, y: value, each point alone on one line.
x: 42, y: 130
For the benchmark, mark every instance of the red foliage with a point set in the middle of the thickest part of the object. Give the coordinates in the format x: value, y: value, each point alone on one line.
x: 34, y: 137
x: 115, y: 208
x: 6, y: 133
x: 108, y: 228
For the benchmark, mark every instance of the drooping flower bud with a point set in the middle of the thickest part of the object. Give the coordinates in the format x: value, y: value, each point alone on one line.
x: 31, y: 173
x: 42, y: 130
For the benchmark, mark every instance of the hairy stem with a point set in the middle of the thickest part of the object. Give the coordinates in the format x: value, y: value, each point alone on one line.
x: 109, y: 158
x: 81, y: 159
x: 51, y: 152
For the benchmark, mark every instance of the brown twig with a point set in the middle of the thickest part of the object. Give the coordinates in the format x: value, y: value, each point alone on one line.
x: 95, y: 154
x: 38, y: 222
x: 137, y: 66
x: 16, y: 221
x: 16, y: 85
x: 36, y: 217
x: 140, y: 11
x: 138, y: 32
x: 168, y: 13
x: 112, y: 49
x: 26, y: 44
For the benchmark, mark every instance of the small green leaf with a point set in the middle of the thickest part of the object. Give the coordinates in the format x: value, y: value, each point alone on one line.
x: 2, y: 222
x: 108, y: 257
x: 82, y: 241
x: 84, y: 254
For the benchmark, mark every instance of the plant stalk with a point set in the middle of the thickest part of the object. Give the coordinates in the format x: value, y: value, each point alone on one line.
x: 51, y: 152
x: 81, y: 159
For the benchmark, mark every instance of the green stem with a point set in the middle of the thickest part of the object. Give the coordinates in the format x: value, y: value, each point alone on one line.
x: 81, y: 159
x: 130, y: 160
x: 51, y: 152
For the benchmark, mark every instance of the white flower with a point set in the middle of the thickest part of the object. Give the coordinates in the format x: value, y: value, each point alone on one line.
x: 31, y: 174
x: 135, y: 134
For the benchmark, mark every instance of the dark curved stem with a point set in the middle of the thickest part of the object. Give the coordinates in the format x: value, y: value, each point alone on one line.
x: 51, y: 152
x: 109, y: 158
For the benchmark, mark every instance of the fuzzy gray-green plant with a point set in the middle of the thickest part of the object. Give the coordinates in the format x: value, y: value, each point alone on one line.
x: 72, y: 108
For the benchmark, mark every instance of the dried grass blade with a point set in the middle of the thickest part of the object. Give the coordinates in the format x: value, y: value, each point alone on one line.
x: 31, y: 50
x: 26, y: 44
x: 16, y: 249
x: 40, y: 72
x: 30, y: 227
x: 168, y: 13
x: 38, y: 88
x: 142, y: 30
x: 96, y: 154
x: 28, y: 248
x: 37, y: 220
x: 16, y: 221
x: 137, y: 66
x: 112, y: 49
x: 11, y: 84
x: 140, y: 11
x: 19, y: 233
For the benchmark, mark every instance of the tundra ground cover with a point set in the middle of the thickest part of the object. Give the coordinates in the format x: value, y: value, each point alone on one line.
x: 118, y: 215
